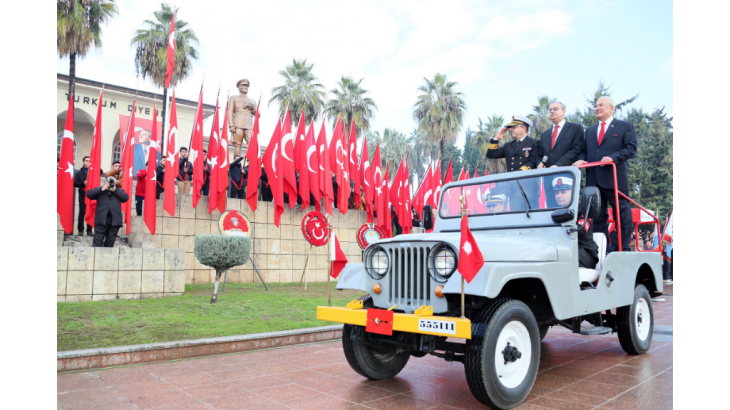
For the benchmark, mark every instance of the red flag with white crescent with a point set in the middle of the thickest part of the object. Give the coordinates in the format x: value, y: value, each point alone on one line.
x: 196, y: 151
x: 172, y: 166
x: 273, y: 166
x: 150, y: 194
x: 93, y: 178
x: 128, y: 166
x: 385, y: 222
x: 170, y: 55
x: 214, y: 161
x: 311, y: 167
x: 337, y: 255
x: 436, y: 183
x: 300, y: 154
x: 224, y: 164
x: 287, y: 158
x: 366, y: 176
x: 355, y: 166
x: 65, y: 194
x: 254, y: 165
x: 325, y: 170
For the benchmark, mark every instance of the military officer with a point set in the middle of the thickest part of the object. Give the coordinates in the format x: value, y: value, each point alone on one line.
x: 522, y: 153
x: 494, y: 203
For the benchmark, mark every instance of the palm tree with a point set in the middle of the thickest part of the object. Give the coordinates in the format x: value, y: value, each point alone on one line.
x: 78, y: 26
x: 394, y: 147
x: 540, y: 115
x: 350, y: 103
x: 439, y: 110
x: 151, y: 55
x: 300, y: 91
x: 423, y: 150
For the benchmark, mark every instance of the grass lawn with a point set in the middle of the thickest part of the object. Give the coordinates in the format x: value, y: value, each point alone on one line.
x: 241, y: 309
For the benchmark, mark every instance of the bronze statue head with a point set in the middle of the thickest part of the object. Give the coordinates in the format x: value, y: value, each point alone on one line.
x: 243, y: 86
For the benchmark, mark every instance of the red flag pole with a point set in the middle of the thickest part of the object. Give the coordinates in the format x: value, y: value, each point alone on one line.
x: 463, y: 212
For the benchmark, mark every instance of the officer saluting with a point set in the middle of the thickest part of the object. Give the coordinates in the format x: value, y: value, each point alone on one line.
x: 522, y: 152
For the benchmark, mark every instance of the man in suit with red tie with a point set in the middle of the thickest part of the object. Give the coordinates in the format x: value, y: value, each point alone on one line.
x: 611, y: 140
x: 560, y: 146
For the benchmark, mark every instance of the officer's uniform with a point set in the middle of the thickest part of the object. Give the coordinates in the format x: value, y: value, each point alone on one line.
x: 520, y: 155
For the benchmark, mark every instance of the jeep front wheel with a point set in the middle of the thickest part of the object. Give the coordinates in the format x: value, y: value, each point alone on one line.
x: 376, y: 363
x: 503, y: 355
x: 635, y: 323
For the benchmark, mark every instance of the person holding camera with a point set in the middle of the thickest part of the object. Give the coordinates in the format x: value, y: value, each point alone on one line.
x: 108, y: 217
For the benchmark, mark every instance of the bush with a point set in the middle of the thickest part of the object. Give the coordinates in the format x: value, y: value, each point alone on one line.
x: 221, y: 253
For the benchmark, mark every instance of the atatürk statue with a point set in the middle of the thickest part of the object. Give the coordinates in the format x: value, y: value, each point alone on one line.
x: 241, y: 110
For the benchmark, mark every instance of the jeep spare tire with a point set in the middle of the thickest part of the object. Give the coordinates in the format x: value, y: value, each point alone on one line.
x: 374, y: 362
x: 503, y: 355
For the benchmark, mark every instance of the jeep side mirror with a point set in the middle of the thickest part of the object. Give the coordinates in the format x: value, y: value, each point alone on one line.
x: 427, y: 217
x: 563, y: 215
x: 591, y: 198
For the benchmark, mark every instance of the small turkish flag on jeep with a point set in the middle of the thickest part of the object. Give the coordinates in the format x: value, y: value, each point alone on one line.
x: 470, y: 257
x: 339, y: 260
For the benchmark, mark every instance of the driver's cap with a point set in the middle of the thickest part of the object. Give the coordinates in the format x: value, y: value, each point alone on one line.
x: 562, y: 184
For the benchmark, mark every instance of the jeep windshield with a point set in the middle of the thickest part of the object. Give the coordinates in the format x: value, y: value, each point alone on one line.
x: 547, y: 192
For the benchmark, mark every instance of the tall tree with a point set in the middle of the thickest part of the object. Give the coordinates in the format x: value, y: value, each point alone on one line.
x: 78, y: 27
x: 423, y: 152
x: 349, y: 102
x: 439, y: 110
x: 151, y: 49
x: 540, y: 116
x: 300, y: 91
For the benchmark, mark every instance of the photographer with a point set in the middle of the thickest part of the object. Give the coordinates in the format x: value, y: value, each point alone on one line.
x: 108, y: 216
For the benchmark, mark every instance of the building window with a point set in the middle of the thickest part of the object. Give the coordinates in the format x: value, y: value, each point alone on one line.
x: 117, y: 153
x: 59, y: 140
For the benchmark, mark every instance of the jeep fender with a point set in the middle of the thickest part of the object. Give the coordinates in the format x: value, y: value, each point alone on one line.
x: 352, y: 277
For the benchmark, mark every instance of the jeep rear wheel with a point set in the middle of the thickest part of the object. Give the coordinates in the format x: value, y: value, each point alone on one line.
x: 635, y: 323
x: 376, y: 363
x: 503, y: 355
x: 543, y: 332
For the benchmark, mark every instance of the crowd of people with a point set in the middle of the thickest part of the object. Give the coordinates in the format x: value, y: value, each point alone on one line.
x: 609, y: 141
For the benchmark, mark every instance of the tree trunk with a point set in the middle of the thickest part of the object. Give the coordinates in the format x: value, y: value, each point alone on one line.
x: 71, y: 72
x: 164, y: 110
x: 442, y: 148
x: 218, y: 273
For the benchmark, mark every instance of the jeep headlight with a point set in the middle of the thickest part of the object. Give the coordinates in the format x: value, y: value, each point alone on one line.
x: 441, y: 263
x: 377, y: 263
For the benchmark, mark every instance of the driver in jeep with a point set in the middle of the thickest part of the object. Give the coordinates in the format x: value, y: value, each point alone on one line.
x: 587, y: 247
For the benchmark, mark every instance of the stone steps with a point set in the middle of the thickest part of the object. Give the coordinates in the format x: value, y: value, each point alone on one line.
x: 87, y: 241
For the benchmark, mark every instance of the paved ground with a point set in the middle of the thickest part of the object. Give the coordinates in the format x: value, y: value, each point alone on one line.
x: 576, y: 372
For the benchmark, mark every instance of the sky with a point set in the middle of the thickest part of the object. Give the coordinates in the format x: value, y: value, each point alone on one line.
x: 502, y: 54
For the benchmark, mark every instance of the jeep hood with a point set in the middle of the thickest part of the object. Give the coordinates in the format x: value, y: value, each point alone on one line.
x: 495, y: 246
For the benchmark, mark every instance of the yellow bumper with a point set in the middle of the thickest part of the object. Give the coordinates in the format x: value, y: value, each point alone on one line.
x: 402, y: 322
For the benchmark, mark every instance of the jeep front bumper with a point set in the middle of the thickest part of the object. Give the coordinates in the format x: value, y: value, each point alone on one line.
x: 402, y: 322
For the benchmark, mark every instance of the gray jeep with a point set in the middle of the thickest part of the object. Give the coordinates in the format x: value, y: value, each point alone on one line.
x: 530, y: 281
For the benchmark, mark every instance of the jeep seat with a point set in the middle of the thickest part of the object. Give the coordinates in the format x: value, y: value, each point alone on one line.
x: 592, y: 275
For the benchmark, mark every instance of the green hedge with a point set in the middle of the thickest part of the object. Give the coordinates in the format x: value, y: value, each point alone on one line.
x: 222, y: 252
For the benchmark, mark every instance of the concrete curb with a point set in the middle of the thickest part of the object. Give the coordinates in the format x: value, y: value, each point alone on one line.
x: 125, y: 355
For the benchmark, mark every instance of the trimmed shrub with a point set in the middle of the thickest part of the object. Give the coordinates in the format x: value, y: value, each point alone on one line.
x: 221, y: 253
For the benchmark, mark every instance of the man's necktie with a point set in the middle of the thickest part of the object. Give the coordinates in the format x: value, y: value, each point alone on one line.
x: 600, y: 134
x: 555, y: 136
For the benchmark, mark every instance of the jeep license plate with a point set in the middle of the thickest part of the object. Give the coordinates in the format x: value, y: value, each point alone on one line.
x: 437, y: 326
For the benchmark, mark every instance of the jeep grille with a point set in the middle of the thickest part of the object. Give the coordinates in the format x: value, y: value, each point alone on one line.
x: 408, y: 283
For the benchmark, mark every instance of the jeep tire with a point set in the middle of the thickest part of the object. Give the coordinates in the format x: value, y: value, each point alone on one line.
x: 374, y: 363
x: 543, y: 331
x: 503, y: 355
x: 635, y: 323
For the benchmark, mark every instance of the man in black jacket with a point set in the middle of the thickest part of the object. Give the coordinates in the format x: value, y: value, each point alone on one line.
x: 160, y: 177
x: 611, y: 140
x: 238, y: 182
x: 206, y: 175
x: 560, y: 145
x: 108, y: 217
x: 587, y: 247
x: 80, y: 178
x: 185, y: 173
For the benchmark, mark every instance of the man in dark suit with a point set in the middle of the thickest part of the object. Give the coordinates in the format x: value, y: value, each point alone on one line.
x: 108, y: 216
x: 522, y: 153
x: 560, y: 146
x: 238, y: 190
x: 80, y: 179
x: 611, y: 140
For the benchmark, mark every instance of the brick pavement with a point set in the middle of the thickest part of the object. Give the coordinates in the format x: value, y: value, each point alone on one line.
x: 576, y: 372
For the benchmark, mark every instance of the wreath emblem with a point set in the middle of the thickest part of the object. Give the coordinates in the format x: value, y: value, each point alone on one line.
x: 315, y: 228
x: 368, y: 234
x: 233, y: 222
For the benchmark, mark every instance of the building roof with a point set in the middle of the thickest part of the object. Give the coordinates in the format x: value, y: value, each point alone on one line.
x: 131, y: 91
